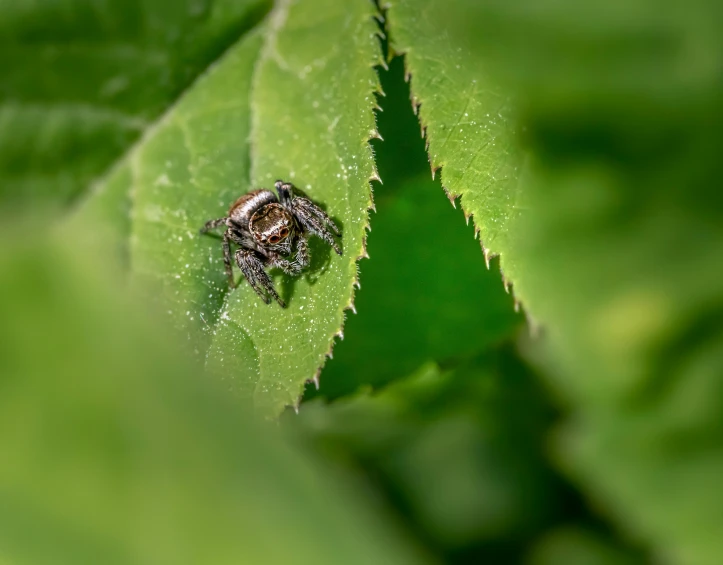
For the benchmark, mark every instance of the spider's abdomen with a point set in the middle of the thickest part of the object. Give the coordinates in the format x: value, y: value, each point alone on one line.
x: 242, y: 210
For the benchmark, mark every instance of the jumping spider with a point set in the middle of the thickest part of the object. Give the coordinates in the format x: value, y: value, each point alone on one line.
x: 268, y: 229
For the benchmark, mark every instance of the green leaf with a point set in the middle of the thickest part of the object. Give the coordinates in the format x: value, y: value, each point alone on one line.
x: 116, y: 451
x: 424, y: 296
x: 82, y: 81
x: 617, y: 251
x: 581, y: 546
x: 466, y: 116
x: 312, y: 107
x: 443, y: 441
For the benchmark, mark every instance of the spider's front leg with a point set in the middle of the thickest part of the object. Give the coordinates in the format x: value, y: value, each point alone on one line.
x: 312, y: 224
x: 253, y: 269
x: 312, y: 218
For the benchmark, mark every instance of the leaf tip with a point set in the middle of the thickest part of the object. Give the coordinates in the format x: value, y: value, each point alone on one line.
x: 375, y: 178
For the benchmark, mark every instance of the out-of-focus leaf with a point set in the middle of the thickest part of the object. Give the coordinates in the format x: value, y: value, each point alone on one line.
x: 116, y: 451
x: 82, y: 80
x: 425, y: 294
x: 461, y: 449
x: 466, y: 116
x: 618, y: 250
x: 312, y: 104
x: 582, y: 547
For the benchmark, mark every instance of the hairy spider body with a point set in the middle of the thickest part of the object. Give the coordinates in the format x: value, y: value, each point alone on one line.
x: 269, y: 230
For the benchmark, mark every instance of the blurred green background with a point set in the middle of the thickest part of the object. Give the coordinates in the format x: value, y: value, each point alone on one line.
x: 447, y: 427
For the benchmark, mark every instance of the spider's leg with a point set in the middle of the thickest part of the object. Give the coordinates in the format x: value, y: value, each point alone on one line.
x: 227, y: 263
x: 253, y: 269
x: 311, y: 208
x: 303, y: 256
x: 285, y: 193
x: 212, y: 224
x: 312, y: 224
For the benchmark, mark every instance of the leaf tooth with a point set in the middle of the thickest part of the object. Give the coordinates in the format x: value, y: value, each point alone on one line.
x: 375, y: 178
x: 351, y: 307
x: 452, y: 197
x: 340, y: 333
x: 357, y: 284
x: 374, y: 134
x: 487, y: 253
x: 476, y: 235
x: 467, y: 216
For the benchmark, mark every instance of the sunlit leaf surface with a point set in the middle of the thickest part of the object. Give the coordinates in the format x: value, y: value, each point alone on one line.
x: 466, y: 116
x: 274, y: 107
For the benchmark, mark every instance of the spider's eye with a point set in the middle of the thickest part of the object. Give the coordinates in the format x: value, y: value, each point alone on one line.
x: 284, y: 232
x: 274, y: 239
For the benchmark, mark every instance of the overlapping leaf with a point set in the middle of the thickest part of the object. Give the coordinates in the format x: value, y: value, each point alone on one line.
x: 617, y: 249
x: 424, y: 295
x: 466, y: 116
x: 117, y: 450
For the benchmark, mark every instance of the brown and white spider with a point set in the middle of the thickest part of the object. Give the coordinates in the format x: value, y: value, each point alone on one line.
x: 268, y: 230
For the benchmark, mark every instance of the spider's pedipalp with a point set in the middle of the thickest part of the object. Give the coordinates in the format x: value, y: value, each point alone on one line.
x: 303, y: 256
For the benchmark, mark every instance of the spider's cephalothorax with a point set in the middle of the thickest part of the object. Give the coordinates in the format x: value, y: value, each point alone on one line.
x: 268, y: 230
